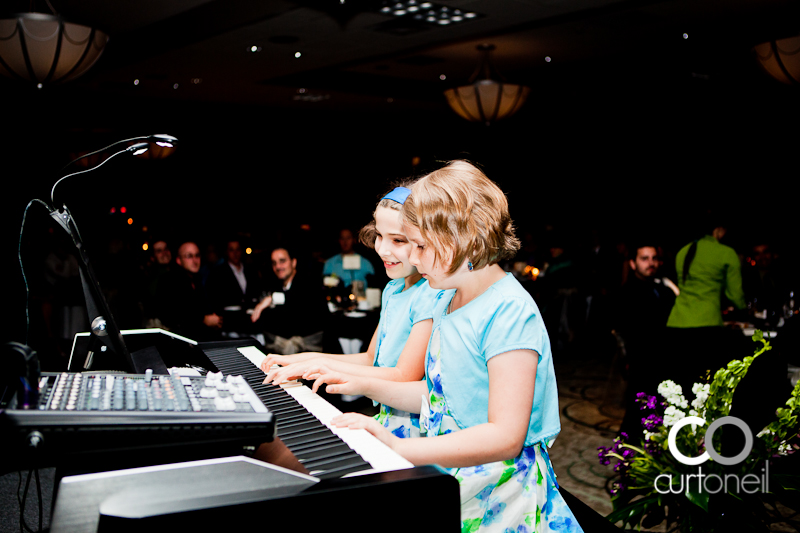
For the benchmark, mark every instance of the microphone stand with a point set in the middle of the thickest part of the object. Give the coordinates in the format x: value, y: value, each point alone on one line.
x: 104, y: 331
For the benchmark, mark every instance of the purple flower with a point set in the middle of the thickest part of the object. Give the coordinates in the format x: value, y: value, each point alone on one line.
x: 628, y: 453
x: 617, y: 487
x: 652, y: 422
x: 646, y: 401
x: 602, y: 455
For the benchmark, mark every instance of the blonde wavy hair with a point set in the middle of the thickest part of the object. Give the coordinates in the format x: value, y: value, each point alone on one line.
x: 463, y: 214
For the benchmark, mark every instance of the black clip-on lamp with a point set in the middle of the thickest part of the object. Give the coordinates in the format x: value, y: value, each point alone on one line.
x: 105, y: 335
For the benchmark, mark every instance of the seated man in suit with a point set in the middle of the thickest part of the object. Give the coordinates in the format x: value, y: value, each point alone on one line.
x: 293, y: 315
x: 234, y: 288
x: 183, y: 305
x: 643, y: 304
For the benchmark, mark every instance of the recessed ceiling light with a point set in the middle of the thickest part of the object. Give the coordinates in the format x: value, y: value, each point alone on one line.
x: 435, y: 13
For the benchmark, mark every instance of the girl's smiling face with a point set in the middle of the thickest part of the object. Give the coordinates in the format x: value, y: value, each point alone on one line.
x: 392, y: 244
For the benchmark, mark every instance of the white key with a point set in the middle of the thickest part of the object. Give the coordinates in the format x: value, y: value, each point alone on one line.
x: 381, y: 457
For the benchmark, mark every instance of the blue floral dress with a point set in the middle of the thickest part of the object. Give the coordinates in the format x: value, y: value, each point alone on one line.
x: 519, y: 495
x: 401, y: 423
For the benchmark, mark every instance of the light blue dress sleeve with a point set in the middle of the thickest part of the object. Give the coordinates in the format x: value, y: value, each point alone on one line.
x: 424, y: 301
x: 515, y: 325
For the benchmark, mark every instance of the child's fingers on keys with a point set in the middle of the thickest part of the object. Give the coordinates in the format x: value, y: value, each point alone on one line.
x: 349, y: 420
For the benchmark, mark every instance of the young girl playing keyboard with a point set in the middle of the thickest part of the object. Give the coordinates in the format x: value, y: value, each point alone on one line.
x: 397, y: 349
x: 489, y: 404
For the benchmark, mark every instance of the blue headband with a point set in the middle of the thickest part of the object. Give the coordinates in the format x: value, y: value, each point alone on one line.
x: 399, y: 195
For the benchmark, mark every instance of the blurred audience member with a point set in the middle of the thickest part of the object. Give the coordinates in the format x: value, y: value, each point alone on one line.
x: 348, y: 266
x: 162, y: 255
x: 157, y: 266
x: 182, y: 302
x: 293, y: 314
x: 642, y: 307
x: 234, y: 288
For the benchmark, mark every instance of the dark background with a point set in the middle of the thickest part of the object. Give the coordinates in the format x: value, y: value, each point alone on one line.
x: 602, y: 150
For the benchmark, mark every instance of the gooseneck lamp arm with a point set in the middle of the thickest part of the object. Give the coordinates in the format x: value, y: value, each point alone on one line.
x: 105, y: 335
x: 161, y: 139
x: 136, y: 149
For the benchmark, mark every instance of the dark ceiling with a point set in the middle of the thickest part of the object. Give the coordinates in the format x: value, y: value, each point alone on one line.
x: 352, y: 55
x: 617, y: 88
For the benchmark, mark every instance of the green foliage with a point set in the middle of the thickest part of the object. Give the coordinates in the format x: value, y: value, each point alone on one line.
x: 643, y: 470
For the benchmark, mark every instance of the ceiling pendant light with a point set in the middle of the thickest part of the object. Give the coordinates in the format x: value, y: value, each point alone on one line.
x: 45, y: 49
x: 486, y: 99
x: 781, y: 59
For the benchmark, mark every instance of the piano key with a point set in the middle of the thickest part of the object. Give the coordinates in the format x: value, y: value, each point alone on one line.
x: 328, y: 463
x: 311, y: 448
x: 304, y: 426
x: 287, y: 408
x: 379, y: 456
x: 302, y: 432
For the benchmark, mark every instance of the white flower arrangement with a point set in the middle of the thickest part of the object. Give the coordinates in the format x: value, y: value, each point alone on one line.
x: 673, y: 393
x: 701, y: 395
